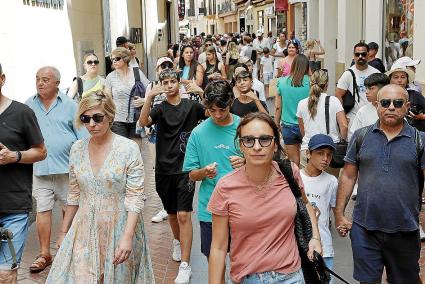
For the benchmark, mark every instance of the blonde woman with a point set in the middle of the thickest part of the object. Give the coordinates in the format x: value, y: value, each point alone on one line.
x: 311, y: 114
x: 312, y: 54
x: 91, y: 81
x: 102, y: 239
x: 232, y: 59
x: 119, y: 84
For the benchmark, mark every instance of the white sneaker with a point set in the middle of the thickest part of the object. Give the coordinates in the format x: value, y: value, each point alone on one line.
x: 160, y: 216
x: 177, y: 251
x: 184, y: 274
x: 421, y: 233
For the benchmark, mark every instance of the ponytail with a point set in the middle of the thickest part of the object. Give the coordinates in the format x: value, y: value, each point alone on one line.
x: 313, y: 99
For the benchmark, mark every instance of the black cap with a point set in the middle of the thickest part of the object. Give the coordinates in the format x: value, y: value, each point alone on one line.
x: 121, y: 40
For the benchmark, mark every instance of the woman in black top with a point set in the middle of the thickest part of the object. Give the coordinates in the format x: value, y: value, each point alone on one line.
x: 214, y: 69
x: 246, y: 100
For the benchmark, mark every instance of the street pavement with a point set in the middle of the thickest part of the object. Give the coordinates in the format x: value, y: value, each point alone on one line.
x: 160, y: 239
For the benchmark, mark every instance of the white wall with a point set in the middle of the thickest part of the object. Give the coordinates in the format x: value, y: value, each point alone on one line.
x: 313, y: 17
x: 373, y: 26
x: 30, y: 38
x: 419, y: 39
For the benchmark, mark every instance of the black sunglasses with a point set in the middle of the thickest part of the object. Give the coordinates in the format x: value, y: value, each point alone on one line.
x: 264, y: 140
x: 167, y: 65
x: 116, y: 59
x: 397, y: 103
x: 90, y: 62
x: 97, y: 118
x: 358, y: 54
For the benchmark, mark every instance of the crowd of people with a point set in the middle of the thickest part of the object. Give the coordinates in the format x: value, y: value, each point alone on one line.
x: 221, y: 112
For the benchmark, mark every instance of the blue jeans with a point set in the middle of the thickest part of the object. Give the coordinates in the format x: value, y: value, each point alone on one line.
x: 18, y: 224
x: 272, y: 277
x: 329, y: 262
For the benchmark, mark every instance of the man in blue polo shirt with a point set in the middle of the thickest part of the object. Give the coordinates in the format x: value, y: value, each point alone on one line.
x: 55, y: 113
x: 211, y: 152
x: 385, y: 227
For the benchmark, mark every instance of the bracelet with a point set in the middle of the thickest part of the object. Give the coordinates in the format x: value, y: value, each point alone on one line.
x: 316, y: 238
x: 18, y: 156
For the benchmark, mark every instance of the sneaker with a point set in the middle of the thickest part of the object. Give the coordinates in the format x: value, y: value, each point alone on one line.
x: 160, y: 216
x: 177, y: 251
x: 184, y: 274
x: 421, y: 233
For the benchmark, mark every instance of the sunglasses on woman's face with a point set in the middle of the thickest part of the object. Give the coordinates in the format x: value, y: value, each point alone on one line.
x: 90, y: 62
x: 167, y: 65
x: 116, y: 59
x: 97, y: 118
x: 264, y: 140
x: 397, y: 103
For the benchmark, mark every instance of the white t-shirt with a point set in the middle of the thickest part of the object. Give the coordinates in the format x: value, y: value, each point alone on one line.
x: 367, y: 115
x: 267, y: 63
x: 258, y: 86
x: 321, y: 192
x: 202, y: 58
x: 279, y: 51
x: 318, y: 124
x: 346, y: 83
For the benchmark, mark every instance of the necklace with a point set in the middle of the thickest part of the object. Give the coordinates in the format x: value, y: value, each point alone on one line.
x: 260, y: 187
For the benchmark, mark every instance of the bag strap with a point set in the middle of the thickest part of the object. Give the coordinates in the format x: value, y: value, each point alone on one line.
x: 136, y: 74
x: 319, y: 261
x: 79, y: 87
x: 286, y: 169
x: 419, y: 153
x: 360, y: 140
x: 355, y: 87
x: 327, y: 113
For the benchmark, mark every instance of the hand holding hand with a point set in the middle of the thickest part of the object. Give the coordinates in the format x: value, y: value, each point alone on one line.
x: 123, y: 251
x: 343, y: 225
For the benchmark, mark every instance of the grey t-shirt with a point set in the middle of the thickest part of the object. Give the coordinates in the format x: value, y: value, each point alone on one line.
x: 120, y: 89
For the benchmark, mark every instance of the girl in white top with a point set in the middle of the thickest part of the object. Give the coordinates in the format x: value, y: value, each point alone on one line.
x: 311, y: 114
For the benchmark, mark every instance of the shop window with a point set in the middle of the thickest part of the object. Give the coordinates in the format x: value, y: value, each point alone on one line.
x: 398, y: 30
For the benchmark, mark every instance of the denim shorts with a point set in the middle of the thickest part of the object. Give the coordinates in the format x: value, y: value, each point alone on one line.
x: 399, y: 252
x: 272, y: 277
x: 18, y: 224
x: 291, y: 134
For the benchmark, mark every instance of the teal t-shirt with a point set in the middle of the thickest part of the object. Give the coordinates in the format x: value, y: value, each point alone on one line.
x: 291, y: 96
x: 209, y: 143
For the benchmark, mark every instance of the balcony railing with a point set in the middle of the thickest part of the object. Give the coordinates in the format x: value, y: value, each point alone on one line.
x: 226, y: 7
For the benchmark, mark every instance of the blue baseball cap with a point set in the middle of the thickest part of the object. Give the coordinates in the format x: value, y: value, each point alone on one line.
x: 319, y: 141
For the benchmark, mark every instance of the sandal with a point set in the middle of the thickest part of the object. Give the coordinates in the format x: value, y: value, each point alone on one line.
x: 40, y: 263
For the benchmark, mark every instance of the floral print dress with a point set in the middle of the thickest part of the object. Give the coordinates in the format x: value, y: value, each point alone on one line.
x: 87, y: 251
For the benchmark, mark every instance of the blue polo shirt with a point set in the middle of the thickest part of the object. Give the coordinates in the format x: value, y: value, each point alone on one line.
x: 59, y: 131
x: 388, y: 184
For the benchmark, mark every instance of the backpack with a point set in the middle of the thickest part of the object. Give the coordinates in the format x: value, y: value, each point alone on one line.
x: 77, y: 97
x: 138, y: 90
x: 419, y: 152
x: 349, y: 99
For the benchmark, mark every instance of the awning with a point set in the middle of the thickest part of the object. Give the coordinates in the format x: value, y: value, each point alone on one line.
x: 281, y: 5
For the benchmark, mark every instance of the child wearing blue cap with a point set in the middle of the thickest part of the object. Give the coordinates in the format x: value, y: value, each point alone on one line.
x: 320, y: 188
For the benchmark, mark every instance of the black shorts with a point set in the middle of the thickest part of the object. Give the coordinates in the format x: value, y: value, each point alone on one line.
x: 176, y: 192
x: 398, y: 252
x: 126, y: 129
x: 206, y: 238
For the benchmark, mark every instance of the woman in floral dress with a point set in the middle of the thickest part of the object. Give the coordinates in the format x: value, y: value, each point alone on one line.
x: 106, y: 242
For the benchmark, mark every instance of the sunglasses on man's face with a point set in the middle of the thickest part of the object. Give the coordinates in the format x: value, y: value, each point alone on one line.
x: 362, y: 54
x: 97, y: 118
x: 397, y: 103
x: 90, y: 62
x: 264, y: 140
x: 116, y: 59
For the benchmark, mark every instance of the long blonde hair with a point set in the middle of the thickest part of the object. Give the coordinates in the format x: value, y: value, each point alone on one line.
x: 318, y: 84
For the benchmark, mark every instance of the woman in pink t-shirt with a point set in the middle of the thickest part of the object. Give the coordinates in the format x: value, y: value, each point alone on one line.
x: 256, y: 204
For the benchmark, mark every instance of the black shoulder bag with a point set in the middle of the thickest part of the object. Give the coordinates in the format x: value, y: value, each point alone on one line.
x: 341, y: 147
x: 349, y: 99
x: 315, y: 272
x: 79, y: 95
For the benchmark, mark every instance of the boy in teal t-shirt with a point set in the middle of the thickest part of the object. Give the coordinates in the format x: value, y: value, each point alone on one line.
x: 211, y: 152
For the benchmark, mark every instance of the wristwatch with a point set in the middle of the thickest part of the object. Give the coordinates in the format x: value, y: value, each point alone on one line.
x: 18, y: 156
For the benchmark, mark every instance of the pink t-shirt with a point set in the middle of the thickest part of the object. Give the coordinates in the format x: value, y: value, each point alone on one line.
x: 261, y: 223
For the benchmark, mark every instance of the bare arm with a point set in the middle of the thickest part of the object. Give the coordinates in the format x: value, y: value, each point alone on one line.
x: 278, y: 109
x: 34, y: 154
x: 342, y: 124
x: 209, y: 171
x: 145, y: 119
x: 222, y: 71
x: 339, y: 93
x: 218, y: 252
x: 345, y: 188
x: 199, y: 77
x: 73, y: 89
x: 301, y: 126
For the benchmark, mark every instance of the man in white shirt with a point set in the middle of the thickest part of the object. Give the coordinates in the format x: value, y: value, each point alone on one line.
x: 361, y: 71
x: 367, y: 114
x: 203, y: 56
x: 259, y: 44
